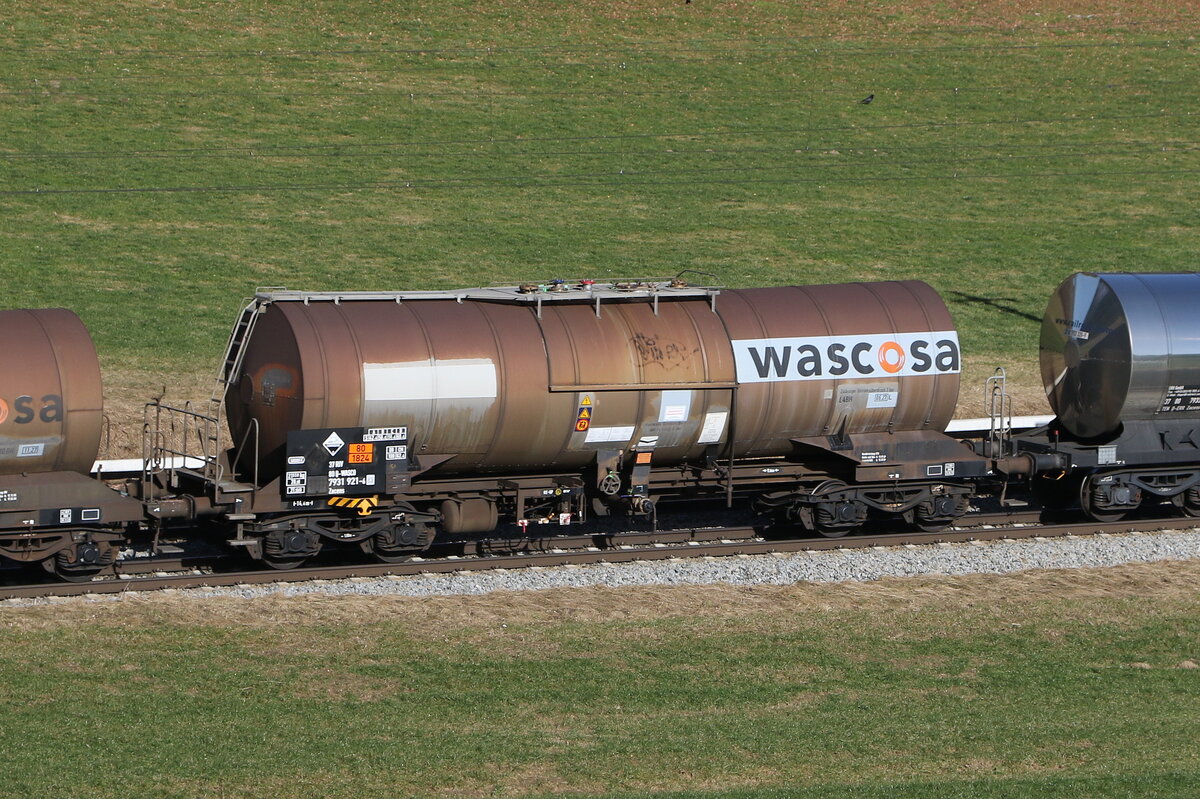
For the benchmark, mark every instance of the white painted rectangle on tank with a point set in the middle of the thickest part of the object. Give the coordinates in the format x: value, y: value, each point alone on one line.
x: 463, y: 378
x: 849, y: 357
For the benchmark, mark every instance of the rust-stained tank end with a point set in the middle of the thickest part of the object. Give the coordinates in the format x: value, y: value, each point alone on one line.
x: 51, y: 398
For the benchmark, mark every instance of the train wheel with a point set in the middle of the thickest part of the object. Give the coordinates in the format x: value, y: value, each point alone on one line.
x: 836, y: 518
x: 72, y: 574
x: 383, y: 556
x: 81, y: 563
x: 1092, y: 499
x: 288, y: 549
x: 1191, y: 502
x: 938, y: 513
x: 398, y: 543
x: 284, y: 564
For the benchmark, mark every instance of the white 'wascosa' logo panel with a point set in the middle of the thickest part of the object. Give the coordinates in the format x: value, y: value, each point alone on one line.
x: 768, y: 360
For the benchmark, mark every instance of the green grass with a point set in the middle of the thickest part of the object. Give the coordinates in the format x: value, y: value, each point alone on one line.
x: 439, y: 144
x: 778, y: 692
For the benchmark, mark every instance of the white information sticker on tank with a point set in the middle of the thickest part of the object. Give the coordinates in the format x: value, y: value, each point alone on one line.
x: 30, y: 450
x: 463, y: 378
x: 605, y: 435
x: 385, y: 434
x: 714, y: 426
x: 883, y: 399
x: 770, y: 360
x: 675, y: 406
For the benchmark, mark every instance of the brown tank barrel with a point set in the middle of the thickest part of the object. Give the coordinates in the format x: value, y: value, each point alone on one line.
x: 513, y: 386
x: 51, y: 399
x: 851, y: 357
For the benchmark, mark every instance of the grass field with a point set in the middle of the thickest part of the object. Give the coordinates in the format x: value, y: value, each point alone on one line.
x: 160, y: 161
x: 1047, y: 685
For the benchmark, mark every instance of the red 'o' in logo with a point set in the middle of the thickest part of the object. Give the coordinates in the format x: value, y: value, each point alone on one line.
x: 3, y: 411
x: 891, y: 357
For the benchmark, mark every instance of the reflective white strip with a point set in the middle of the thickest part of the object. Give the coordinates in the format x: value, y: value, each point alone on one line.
x: 982, y: 425
x: 466, y: 378
x: 131, y: 465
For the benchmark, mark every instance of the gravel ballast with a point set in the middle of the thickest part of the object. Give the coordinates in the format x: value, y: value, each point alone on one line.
x: 829, y: 566
x: 826, y: 566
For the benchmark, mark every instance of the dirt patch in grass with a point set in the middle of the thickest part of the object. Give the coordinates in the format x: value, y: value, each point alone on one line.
x: 125, y: 396
x: 1024, y: 386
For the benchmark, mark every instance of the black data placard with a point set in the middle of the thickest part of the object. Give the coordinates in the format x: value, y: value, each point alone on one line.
x: 344, y: 461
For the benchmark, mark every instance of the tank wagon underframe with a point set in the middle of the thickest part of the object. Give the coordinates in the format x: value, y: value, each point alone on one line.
x: 1147, y: 460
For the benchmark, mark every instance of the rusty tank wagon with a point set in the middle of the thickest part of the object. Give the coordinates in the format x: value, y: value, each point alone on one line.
x: 51, y: 419
x: 385, y: 418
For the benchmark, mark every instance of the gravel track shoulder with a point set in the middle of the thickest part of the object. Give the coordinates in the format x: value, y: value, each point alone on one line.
x: 835, y: 566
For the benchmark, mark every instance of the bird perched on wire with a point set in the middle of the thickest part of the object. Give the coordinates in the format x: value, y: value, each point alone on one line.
x: 867, y: 100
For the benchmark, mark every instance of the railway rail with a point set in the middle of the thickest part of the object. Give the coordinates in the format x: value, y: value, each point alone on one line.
x: 492, y: 554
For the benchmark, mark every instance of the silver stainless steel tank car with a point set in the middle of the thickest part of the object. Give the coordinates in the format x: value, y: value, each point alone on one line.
x: 541, y: 378
x: 51, y: 401
x: 1122, y: 347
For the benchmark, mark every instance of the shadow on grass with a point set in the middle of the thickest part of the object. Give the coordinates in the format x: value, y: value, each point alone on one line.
x: 999, y: 303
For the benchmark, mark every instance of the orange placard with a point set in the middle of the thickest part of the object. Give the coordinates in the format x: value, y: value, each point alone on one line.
x: 360, y: 453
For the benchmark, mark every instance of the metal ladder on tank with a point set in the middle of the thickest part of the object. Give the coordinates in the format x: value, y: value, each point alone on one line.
x: 231, y: 367
x: 182, y: 435
x: 235, y: 352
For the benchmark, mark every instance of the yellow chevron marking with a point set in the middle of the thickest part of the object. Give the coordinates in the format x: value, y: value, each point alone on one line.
x: 364, y: 505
